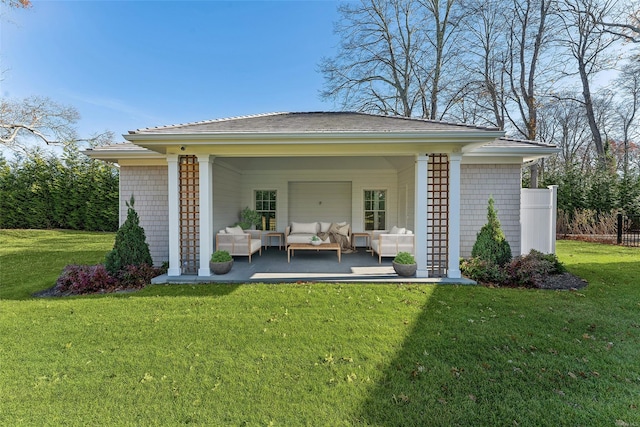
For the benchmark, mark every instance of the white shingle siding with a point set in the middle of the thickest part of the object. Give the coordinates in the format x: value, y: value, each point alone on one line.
x: 148, y: 185
x: 478, y: 182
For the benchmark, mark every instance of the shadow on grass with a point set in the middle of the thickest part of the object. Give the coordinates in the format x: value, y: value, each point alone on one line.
x: 465, y: 364
x: 417, y: 383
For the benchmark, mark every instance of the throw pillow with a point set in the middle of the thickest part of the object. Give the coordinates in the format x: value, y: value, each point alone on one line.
x: 304, y: 227
x: 343, y: 230
x: 235, y: 230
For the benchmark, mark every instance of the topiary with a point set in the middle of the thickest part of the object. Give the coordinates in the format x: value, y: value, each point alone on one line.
x: 491, y: 244
x: 221, y: 256
x: 130, y: 247
x: 404, y: 258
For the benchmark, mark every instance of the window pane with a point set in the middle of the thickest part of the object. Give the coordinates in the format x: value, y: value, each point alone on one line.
x: 266, y: 207
x: 375, y: 209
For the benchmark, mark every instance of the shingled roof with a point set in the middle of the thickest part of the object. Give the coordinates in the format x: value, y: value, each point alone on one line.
x: 312, y: 122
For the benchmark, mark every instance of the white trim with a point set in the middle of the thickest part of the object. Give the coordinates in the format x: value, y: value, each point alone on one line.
x: 205, y: 180
x: 453, y: 269
x: 173, y: 199
x: 420, y: 217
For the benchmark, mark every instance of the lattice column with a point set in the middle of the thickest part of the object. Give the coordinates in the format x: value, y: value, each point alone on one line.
x: 438, y: 214
x: 189, y: 214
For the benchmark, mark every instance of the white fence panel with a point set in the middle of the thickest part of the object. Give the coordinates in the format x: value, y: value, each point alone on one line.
x: 538, y: 211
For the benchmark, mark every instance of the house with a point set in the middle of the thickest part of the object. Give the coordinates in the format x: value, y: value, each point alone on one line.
x: 375, y: 172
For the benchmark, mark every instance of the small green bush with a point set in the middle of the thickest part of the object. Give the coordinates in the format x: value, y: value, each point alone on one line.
x: 221, y: 256
x: 404, y: 258
x: 491, y: 244
x: 482, y: 271
x: 130, y: 247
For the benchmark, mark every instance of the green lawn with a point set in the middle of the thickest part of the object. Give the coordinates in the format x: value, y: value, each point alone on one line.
x: 317, y: 354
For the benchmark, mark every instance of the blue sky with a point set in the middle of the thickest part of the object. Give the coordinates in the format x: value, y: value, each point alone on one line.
x: 130, y: 64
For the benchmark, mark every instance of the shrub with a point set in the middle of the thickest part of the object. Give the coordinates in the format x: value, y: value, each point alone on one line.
x: 527, y: 270
x: 90, y: 279
x: 482, y: 271
x: 491, y: 244
x: 84, y: 279
x: 138, y: 276
x: 130, y: 247
x: 404, y: 258
x: 221, y: 256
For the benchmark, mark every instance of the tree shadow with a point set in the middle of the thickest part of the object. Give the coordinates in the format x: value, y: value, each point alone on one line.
x: 487, y: 357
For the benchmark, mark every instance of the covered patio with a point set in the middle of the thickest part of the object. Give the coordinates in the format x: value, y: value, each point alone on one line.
x: 309, y: 266
x: 190, y: 181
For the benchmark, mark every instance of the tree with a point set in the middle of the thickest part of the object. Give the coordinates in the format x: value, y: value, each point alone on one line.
x: 485, y: 97
x: 626, y: 23
x: 24, y: 121
x: 628, y: 84
x: 375, y: 68
x: 588, y: 44
x: 130, y: 247
x: 18, y: 3
x: 527, y: 43
x: 392, y: 57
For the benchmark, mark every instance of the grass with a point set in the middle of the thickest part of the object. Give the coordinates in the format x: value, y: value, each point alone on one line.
x: 317, y: 354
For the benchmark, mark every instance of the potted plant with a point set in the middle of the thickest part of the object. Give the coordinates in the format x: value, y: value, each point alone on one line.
x: 249, y: 218
x: 404, y: 264
x: 315, y: 241
x: 221, y: 262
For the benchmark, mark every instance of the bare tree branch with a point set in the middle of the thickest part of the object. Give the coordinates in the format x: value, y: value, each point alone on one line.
x: 38, y: 118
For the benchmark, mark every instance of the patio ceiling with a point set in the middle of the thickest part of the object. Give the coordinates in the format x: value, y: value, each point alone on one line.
x: 325, y: 163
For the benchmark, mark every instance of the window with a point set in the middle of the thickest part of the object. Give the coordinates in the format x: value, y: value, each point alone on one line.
x: 375, y: 209
x: 266, y: 207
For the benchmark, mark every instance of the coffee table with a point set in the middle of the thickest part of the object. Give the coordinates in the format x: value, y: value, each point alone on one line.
x: 309, y: 247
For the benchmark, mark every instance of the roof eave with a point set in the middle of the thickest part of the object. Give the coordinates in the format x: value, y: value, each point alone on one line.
x: 527, y: 154
x: 316, y: 137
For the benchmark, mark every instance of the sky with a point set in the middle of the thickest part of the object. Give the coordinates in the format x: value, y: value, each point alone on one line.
x: 127, y: 65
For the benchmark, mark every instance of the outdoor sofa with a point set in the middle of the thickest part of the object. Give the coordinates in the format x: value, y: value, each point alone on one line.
x: 303, y: 232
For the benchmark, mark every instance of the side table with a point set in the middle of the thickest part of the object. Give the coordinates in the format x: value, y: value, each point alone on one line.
x: 367, y: 239
x: 269, y: 234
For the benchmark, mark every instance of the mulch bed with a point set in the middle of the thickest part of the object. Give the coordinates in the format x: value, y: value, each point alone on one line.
x: 564, y: 281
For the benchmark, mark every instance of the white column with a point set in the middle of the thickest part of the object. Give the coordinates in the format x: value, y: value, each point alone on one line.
x: 206, y: 212
x: 421, y: 212
x: 453, y: 270
x: 173, y: 194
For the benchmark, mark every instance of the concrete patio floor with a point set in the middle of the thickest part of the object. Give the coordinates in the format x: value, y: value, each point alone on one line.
x: 309, y: 266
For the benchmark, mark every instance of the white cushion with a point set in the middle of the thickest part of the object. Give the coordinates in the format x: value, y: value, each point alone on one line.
x: 304, y: 227
x: 324, y: 227
x: 222, y: 232
x: 235, y: 230
x: 340, y: 224
x: 397, y: 230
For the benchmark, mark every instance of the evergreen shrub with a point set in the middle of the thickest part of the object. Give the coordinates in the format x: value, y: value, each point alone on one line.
x: 130, y: 247
x: 491, y: 244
